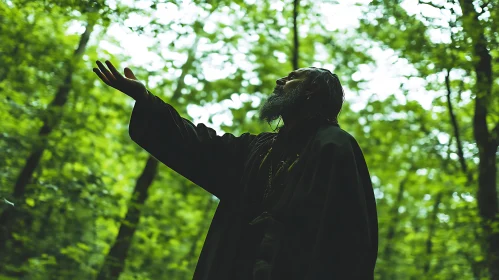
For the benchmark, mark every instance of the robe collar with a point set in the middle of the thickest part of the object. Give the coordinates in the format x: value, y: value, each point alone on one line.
x: 304, y: 128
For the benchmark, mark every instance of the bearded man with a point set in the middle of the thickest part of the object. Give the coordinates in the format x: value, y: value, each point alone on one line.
x: 294, y: 204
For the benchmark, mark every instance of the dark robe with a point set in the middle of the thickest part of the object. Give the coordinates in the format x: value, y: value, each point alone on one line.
x: 319, y: 222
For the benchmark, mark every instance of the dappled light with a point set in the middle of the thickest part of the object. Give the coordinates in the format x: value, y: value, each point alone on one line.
x: 209, y: 144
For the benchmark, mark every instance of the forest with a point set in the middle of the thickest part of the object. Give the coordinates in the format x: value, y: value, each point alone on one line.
x: 80, y: 200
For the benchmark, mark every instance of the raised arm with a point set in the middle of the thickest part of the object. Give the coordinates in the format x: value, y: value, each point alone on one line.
x: 213, y: 162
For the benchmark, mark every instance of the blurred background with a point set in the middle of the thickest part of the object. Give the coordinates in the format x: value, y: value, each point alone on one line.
x: 80, y: 200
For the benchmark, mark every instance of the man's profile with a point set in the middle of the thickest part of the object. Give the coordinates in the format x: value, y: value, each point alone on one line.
x: 294, y: 204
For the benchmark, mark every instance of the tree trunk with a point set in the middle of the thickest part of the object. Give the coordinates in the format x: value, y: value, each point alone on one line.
x: 296, y: 42
x: 475, y: 265
x: 17, y: 215
x: 431, y: 233
x: 487, y: 142
x: 455, y: 127
x: 115, y: 260
x: 53, y: 117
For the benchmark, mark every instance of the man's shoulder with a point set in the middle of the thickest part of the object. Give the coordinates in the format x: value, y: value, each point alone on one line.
x: 336, y: 136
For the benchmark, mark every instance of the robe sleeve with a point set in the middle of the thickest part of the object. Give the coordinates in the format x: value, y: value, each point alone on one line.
x: 346, y: 240
x: 196, y: 152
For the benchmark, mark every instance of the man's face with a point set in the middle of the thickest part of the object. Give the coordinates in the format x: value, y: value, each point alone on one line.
x: 288, y: 94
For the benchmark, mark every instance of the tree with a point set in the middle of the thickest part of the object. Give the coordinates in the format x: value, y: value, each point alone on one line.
x: 11, y: 216
x: 465, y: 50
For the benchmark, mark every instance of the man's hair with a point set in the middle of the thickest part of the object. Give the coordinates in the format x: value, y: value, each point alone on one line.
x: 328, y: 91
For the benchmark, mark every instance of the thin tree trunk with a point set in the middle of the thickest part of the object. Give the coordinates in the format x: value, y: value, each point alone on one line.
x: 439, y: 196
x: 431, y: 233
x: 296, y: 41
x: 464, y: 168
x: 455, y: 126
x: 488, y: 206
x: 53, y: 117
x: 114, y: 263
x: 13, y: 215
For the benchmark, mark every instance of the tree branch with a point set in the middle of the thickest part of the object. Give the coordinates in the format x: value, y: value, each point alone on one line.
x: 296, y: 42
x: 455, y: 126
x: 484, y: 5
x: 431, y: 4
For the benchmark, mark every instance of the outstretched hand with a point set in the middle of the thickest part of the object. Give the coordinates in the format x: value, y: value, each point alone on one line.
x: 128, y: 84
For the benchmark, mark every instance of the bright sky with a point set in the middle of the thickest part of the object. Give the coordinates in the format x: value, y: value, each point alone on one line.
x: 384, y: 79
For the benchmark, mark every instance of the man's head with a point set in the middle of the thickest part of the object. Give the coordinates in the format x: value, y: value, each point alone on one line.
x: 306, y: 92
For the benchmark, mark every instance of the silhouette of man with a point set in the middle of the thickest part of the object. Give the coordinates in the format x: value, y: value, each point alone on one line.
x: 294, y: 204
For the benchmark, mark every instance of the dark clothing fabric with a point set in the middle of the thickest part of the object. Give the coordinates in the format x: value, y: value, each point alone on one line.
x: 319, y: 222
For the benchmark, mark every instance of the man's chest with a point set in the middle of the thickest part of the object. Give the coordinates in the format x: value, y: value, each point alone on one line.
x: 270, y: 170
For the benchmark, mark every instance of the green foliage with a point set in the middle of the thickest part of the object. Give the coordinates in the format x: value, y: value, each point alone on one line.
x: 77, y: 199
x: 440, y: 243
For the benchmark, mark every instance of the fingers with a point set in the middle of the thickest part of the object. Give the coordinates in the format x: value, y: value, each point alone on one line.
x: 102, y: 77
x: 129, y: 74
x: 115, y: 72
x: 110, y: 77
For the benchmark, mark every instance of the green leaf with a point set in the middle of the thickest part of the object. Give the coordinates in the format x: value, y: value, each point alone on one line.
x: 30, y: 202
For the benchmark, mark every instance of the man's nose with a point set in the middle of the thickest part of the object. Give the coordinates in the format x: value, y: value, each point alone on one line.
x: 281, y: 81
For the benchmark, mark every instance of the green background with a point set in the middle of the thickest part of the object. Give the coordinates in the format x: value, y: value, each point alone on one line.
x: 80, y: 200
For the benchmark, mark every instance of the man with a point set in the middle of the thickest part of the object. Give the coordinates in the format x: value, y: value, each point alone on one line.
x: 296, y: 204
